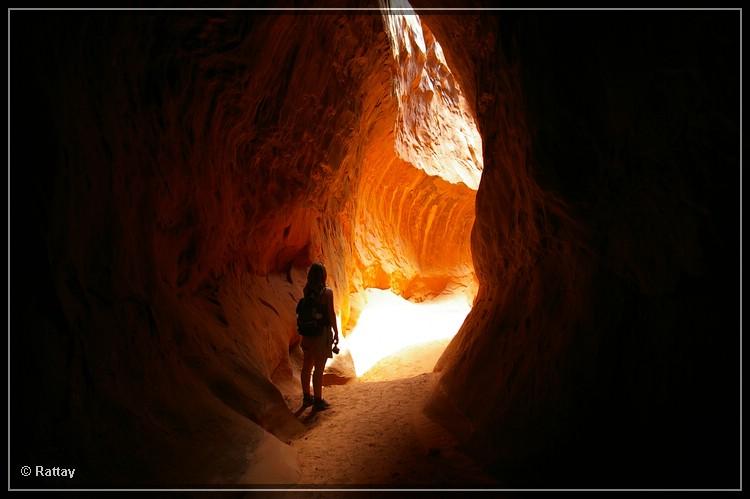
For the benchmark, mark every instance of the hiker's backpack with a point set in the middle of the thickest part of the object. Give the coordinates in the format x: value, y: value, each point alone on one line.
x: 311, y: 315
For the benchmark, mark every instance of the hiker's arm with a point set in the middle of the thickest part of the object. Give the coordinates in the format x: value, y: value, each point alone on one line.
x: 332, y: 317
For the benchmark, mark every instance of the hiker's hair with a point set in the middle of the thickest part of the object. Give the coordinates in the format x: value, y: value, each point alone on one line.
x: 316, y: 278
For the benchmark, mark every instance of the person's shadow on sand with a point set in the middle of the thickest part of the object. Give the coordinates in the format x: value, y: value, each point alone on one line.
x: 311, y: 417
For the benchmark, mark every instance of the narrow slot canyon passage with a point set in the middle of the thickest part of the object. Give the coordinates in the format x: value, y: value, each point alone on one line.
x: 528, y: 220
x: 415, y: 210
x: 422, y: 206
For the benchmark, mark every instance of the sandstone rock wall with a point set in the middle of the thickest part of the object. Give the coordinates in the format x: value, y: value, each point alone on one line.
x: 603, y: 344
x: 176, y: 174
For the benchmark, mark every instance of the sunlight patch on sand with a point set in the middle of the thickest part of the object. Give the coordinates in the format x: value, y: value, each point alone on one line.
x: 389, y: 323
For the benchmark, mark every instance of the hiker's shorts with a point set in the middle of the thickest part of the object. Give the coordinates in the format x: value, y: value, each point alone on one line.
x: 319, y: 346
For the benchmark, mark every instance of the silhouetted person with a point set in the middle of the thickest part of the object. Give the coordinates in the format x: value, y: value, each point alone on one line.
x: 317, y: 349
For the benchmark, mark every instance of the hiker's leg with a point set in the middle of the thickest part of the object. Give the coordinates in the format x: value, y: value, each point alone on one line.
x: 307, y: 365
x: 320, y: 365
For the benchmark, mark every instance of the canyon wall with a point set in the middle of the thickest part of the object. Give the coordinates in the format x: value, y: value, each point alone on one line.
x: 173, y: 177
x: 603, y: 348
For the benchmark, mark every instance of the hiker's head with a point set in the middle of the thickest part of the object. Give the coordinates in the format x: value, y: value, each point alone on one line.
x: 316, y: 276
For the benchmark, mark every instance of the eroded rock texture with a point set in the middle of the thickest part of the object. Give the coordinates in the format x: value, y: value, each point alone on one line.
x: 603, y: 346
x: 173, y: 175
x: 190, y: 168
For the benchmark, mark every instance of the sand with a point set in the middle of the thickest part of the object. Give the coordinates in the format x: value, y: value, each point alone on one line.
x: 375, y: 435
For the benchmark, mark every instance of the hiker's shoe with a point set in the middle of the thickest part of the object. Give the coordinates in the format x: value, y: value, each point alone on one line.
x: 320, y: 405
x: 307, y: 400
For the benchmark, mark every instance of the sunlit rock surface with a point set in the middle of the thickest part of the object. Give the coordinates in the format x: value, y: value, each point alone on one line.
x: 435, y: 130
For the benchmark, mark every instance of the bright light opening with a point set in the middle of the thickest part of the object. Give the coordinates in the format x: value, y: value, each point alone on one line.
x: 390, y: 323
